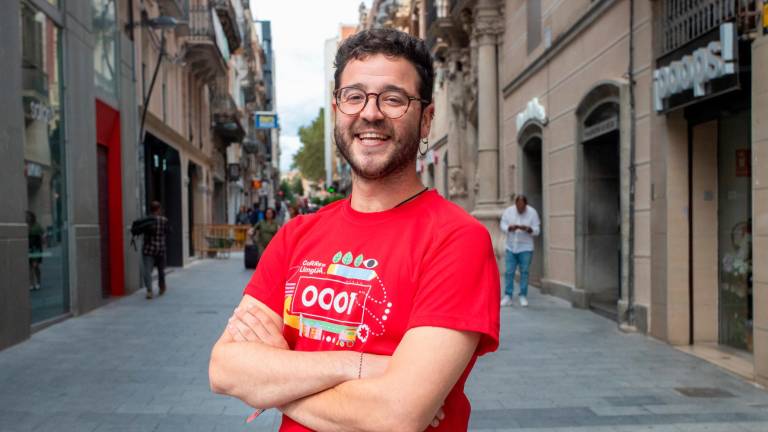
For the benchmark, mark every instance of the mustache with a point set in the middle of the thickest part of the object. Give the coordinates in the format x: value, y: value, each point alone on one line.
x: 379, y: 126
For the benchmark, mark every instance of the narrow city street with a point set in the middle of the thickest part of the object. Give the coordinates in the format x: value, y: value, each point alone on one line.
x: 141, y: 365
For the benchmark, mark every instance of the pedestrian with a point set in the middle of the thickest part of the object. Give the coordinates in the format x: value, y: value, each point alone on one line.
x: 370, y: 313
x: 153, y: 251
x: 35, y: 237
x: 254, y: 214
x: 265, y: 229
x: 243, y: 218
x: 521, y: 224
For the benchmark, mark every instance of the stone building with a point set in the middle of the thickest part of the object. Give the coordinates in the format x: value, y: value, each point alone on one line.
x: 635, y: 127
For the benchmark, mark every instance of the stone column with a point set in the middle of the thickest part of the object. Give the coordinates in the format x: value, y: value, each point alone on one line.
x: 457, y: 120
x: 488, y: 25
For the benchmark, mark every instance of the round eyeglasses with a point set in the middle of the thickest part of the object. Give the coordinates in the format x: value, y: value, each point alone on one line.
x: 392, y: 103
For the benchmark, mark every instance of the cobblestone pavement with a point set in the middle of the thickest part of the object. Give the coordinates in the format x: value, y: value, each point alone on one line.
x: 139, y: 365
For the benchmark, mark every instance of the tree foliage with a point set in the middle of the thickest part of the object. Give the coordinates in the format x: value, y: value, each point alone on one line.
x: 310, y: 159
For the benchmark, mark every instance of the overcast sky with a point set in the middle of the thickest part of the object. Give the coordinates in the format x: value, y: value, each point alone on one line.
x: 299, y: 31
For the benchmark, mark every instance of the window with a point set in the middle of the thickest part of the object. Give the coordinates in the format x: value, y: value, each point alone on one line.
x: 533, y: 10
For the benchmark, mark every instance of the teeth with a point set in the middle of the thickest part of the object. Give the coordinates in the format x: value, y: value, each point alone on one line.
x: 372, y: 136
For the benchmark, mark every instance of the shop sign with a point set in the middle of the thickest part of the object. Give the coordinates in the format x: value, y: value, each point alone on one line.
x: 693, y: 76
x: 265, y: 120
x: 36, y: 110
x: 743, y: 165
x: 234, y: 172
x: 601, y: 128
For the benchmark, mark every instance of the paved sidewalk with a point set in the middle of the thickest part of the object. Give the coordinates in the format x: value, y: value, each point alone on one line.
x: 139, y: 365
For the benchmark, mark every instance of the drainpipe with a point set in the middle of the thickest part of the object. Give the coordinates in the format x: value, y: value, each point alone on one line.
x: 630, y: 318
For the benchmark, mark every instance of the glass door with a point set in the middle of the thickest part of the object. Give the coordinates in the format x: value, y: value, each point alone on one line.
x: 735, y: 231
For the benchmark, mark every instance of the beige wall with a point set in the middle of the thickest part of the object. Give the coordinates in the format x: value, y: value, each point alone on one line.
x: 598, y: 53
x: 760, y: 205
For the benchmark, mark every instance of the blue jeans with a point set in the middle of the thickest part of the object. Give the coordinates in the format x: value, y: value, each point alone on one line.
x: 513, y: 260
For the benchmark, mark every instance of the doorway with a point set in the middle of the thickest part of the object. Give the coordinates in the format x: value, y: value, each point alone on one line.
x: 598, y: 218
x: 164, y: 186
x: 533, y: 186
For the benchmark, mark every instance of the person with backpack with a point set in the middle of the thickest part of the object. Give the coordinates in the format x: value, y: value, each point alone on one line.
x: 155, y: 231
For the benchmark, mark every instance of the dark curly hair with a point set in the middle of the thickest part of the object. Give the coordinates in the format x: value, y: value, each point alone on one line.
x: 392, y: 43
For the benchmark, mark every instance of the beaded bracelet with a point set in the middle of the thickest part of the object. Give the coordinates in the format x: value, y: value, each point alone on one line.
x: 360, y: 367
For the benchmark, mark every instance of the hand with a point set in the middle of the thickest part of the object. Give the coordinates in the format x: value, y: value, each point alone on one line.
x: 253, y: 325
x: 512, y: 228
x: 439, y: 416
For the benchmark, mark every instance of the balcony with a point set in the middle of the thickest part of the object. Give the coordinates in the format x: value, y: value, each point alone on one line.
x: 228, y: 19
x: 226, y: 116
x: 203, y: 55
x: 682, y: 21
x: 444, y: 25
x: 174, y: 8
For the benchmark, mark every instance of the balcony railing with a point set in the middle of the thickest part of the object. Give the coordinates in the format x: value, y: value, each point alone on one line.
x: 682, y: 21
x: 226, y: 13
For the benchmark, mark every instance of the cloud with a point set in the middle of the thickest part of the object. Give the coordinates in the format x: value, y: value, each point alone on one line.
x: 299, y: 31
x: 289, y: 145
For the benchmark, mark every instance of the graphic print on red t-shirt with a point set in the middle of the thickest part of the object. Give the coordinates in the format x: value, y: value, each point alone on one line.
x: 337, y: 303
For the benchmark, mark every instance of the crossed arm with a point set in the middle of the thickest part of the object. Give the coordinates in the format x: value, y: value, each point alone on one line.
x: 321, y: 390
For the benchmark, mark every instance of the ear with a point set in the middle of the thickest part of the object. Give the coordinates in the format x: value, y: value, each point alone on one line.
x: 333, y: 105
x: 426, y: 120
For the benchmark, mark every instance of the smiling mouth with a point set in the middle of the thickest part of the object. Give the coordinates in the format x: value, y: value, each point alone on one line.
x: 371, y: 137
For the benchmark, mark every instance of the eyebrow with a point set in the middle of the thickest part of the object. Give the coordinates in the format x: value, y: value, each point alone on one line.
x: 388, y: 87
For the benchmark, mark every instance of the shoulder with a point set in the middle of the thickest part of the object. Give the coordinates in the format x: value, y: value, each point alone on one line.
x: 448, y: 220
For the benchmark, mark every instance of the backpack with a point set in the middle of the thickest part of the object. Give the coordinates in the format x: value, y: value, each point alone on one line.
x: 140, y: 227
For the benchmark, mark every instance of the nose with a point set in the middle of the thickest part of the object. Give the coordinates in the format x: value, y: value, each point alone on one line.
x: 371, y: 110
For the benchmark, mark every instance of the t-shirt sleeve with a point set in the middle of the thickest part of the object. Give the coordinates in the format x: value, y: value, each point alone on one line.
x: 459, y: 286
x: 268, y: 281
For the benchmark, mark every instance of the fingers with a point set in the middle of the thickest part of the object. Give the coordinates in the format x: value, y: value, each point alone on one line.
x: 253, y: 325
x: 440, y: 416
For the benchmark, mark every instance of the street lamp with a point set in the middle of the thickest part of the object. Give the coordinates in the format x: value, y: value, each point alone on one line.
x: 161, y: 23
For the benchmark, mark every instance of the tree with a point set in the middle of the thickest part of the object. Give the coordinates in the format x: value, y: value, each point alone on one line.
x: 310, y: 159
x: 285, y: 187
x: 298, y: 186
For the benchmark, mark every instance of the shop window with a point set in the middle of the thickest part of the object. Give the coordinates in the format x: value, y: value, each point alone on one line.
x: 44, y: 164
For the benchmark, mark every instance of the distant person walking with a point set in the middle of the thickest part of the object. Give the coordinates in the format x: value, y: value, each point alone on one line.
x: 521, y: 224
x: 265, y: 229
x: 243, y: 217
x: 35, y: 237
x: 154, y: 248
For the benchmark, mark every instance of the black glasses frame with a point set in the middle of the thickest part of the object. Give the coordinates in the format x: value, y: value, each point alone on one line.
x: 337, y: 96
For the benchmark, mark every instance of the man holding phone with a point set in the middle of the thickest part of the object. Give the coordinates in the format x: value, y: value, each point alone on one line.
x: 521, y: 224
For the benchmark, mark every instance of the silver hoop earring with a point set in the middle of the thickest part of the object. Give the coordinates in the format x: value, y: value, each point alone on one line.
x: 426, y: 142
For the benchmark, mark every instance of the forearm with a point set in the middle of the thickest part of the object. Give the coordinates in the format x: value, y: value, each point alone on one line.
x: 359, y: 405
x: 266, y: 377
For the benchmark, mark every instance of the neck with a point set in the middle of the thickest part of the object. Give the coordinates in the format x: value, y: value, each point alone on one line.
x: 383, y: 194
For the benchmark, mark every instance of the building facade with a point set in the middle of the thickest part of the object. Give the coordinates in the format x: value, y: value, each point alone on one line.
x: 635, y: 128
x: 110, y: 104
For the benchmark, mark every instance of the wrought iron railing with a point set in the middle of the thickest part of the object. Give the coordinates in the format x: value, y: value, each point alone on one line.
x: 200, y: 22
x: 682, y: 21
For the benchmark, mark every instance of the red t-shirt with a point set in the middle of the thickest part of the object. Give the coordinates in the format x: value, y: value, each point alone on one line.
x: 345, y: 280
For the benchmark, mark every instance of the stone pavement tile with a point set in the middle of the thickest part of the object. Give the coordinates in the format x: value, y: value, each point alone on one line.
x: 711, y: 427
x: 619, y: 410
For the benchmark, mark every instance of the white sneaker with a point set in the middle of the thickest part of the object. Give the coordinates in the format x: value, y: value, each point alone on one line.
x: 523, y: 301
x: 506, y: 301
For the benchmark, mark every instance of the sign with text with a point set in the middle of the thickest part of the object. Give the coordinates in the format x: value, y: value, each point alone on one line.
x: 706, y: 71
x: 265, y: 120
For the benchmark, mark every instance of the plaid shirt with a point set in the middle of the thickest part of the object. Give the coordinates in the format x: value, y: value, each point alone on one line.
x: 154, y: 238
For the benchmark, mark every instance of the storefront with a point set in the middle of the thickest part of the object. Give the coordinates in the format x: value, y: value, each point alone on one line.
x: 44, y: 164
x: 704, y: 99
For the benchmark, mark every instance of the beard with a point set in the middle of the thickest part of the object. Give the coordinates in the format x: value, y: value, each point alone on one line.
x: 400, y: 153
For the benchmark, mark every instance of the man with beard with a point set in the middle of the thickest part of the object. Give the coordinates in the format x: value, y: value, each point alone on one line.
x: 369, y: 314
